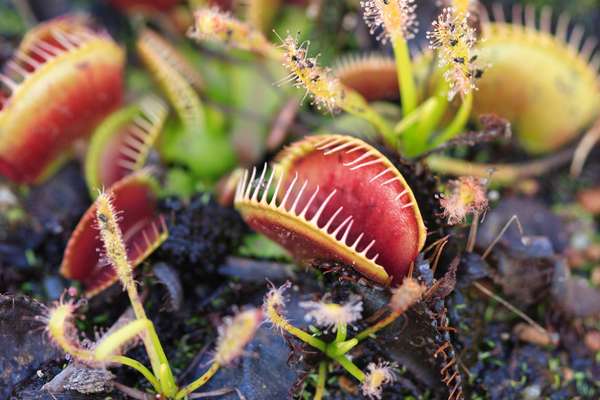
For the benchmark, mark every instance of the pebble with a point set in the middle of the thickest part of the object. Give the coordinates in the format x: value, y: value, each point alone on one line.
x: 592, y: 340
x: 530, y: 334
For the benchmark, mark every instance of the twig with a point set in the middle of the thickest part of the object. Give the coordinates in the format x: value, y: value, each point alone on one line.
x: 512, y: 308
x: 584, y: 148
x: 512, y: 219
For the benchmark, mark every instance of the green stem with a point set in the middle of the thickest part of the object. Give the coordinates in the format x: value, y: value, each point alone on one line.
x: 416, y: 139
x: 152, y: 344
x: 367, y: 113
x: 413, y: 117
x: 404, y: 70
x: 378, y: 326
x: 458, y: 123
x: 342, y: 331
x: 282, y: 323
x: 337, y: 349
x: 351, y: 368
x: 499, y: 174
x: 138, y: 366
x: 198, y: 382
x: 428, y: 125
x: 413, y: 136
x: 320, y: 390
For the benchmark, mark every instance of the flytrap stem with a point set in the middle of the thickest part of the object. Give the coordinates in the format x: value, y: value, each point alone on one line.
x: 156, y: 354
x: 408, y: 92
x: 502, y: 174
x: 114, y: 247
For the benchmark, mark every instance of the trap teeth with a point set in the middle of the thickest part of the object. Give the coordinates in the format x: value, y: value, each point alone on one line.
x: 324, y: 208
x: 64, y: 79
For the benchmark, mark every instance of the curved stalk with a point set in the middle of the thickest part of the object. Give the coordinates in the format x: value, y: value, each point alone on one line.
x: 138, y: 366
x: 341, y: 333
x: 351, y: 368
x: 198, y: 382
x: 378, y: 326
x: 283, y: 324
x: 458, y: 123
x: 502, y: 174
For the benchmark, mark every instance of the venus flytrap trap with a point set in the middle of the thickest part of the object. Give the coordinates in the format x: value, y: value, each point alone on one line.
x: 333, y: 317
x: 234, y: 334
x: 122, y: 142
x: 85, y: 68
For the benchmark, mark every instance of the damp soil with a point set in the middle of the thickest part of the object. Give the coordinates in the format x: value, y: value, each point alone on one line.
x: 201, y: 276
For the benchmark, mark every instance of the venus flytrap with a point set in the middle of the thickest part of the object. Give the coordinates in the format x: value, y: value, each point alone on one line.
x: 337, y: 318
x: 234, y: 335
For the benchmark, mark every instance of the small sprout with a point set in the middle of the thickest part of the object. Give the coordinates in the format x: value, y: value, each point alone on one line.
x: 64, y: 78
x: 211, y: 24
x: 331, y: 315
x: 378, y: 375
x: 405, y: 295
x: 325, y: 89
x: 235, y: 334
x: 454, y: 39
x: 395, y: 18
x: 467, y: 196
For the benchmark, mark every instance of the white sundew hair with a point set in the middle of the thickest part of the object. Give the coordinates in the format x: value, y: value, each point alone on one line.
x: 378, y: 375
x: 274, y: 304
x: 331, y: 315
x: 391, y: 18
x: 467, y: 195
